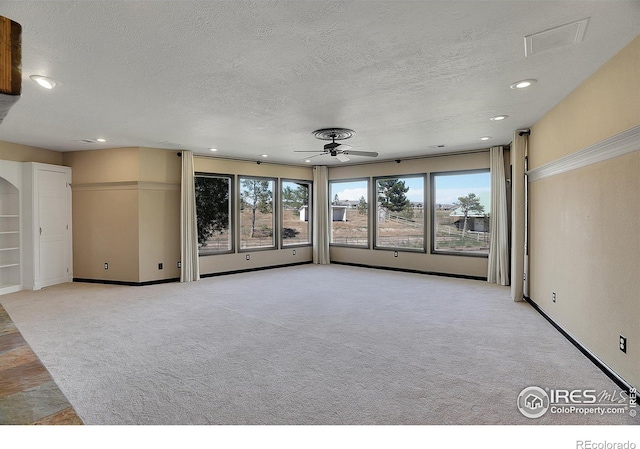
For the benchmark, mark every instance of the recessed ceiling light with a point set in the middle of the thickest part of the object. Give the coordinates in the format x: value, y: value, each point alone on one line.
x: 497, y: 118
x: 45, y: 81
x: 307, y: 160
x: 522, y: 84
x: 265, y: 155
x: 213, y: 149
x: 485, y: 138
x: 101, y: 140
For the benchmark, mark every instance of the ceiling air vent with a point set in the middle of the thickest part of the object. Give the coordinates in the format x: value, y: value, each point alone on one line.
x: 172, y: 145
x: 558, y: 37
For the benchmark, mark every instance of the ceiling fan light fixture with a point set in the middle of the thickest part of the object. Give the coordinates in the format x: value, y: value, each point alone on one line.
x: 45, y: 81
x: 336, y: 149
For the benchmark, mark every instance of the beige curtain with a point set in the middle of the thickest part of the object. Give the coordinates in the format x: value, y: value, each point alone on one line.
x: 190, y: 270
x: 321, y: 223
x: 498, y: 272
x: 518, y: 155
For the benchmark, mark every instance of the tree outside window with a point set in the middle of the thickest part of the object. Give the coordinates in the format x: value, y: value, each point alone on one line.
x: 461, y: 207
x: 213, y: 212
x: 256, y: 213
x: 399, y: 214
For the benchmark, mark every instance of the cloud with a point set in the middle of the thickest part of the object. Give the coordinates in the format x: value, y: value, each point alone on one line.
x: 415, y: 195
x: 350, y: 194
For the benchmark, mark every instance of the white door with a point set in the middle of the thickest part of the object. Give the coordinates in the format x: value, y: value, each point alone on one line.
x: 53, y: 204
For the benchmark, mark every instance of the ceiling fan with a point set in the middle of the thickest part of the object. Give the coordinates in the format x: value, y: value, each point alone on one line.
x: 335, y: 149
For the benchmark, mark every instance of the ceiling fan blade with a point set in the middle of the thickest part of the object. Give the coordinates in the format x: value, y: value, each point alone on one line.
x: 315, y: 155
x: 306, y: 151
x: 362, y: 153
x: 342, y: 158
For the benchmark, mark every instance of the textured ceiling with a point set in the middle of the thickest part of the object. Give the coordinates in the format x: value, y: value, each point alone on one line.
x: 253, y: 78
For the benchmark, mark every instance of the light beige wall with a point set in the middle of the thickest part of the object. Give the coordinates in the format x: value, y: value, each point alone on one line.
x: 159, y: 214
x: 105, y: 213
x: 604, y: 105
x: 583, y: 242
x: 22, y: 153
x: 109, y: 165
x: 105, y: 229
x: 158, y: 165
x: 437, y: 263
x: 159, y: 232
x: 126, y: 211
x: 224, y: 263
x: 231, y: 167
x: 259, y: 258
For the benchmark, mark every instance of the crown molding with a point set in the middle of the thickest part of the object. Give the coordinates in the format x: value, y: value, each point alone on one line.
x: 620, y: 144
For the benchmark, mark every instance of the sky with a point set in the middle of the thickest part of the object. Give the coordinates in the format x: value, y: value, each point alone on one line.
x: 448, y: 188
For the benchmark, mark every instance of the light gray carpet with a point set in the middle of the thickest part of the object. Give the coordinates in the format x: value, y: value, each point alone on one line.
x: 301, y: 345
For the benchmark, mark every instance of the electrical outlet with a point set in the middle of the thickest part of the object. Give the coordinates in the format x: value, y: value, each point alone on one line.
x: 294, y: 252
x: 623, y: 343
x: 395, y: 254
x: 179, y: 264
x: 553, y: 296
x: 248, y: 256
x: 106, y: 266
x: 160, y: 266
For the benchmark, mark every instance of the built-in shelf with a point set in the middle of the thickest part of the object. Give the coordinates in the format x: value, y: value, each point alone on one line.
x: 10, y: 244
x: 7, y: 265
x: 9, y: 288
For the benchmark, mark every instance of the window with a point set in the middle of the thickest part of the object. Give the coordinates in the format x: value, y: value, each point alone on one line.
x: 349, y: 212
x: 296, y: 213
x: 213, y: 213
x: 399, y: 213
x: 461, y: 207
x: 256, y: 213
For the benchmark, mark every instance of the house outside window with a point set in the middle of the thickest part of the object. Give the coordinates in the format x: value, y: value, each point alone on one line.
x: 461, y: 204
x: 349, y: 212
x: 295, y: 197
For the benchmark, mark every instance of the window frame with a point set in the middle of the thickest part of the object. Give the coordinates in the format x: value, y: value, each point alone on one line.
x: 376, y: 246
x: 274, y: 214
x: 310, y: 224
x: 432, y: 209
x: 232, y: 221
x: 330, y: 200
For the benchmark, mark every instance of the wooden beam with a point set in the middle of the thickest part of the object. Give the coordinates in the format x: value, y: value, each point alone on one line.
x: 10, y: 64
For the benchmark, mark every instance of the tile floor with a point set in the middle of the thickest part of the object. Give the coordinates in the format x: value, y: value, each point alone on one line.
x: 28, y: 394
